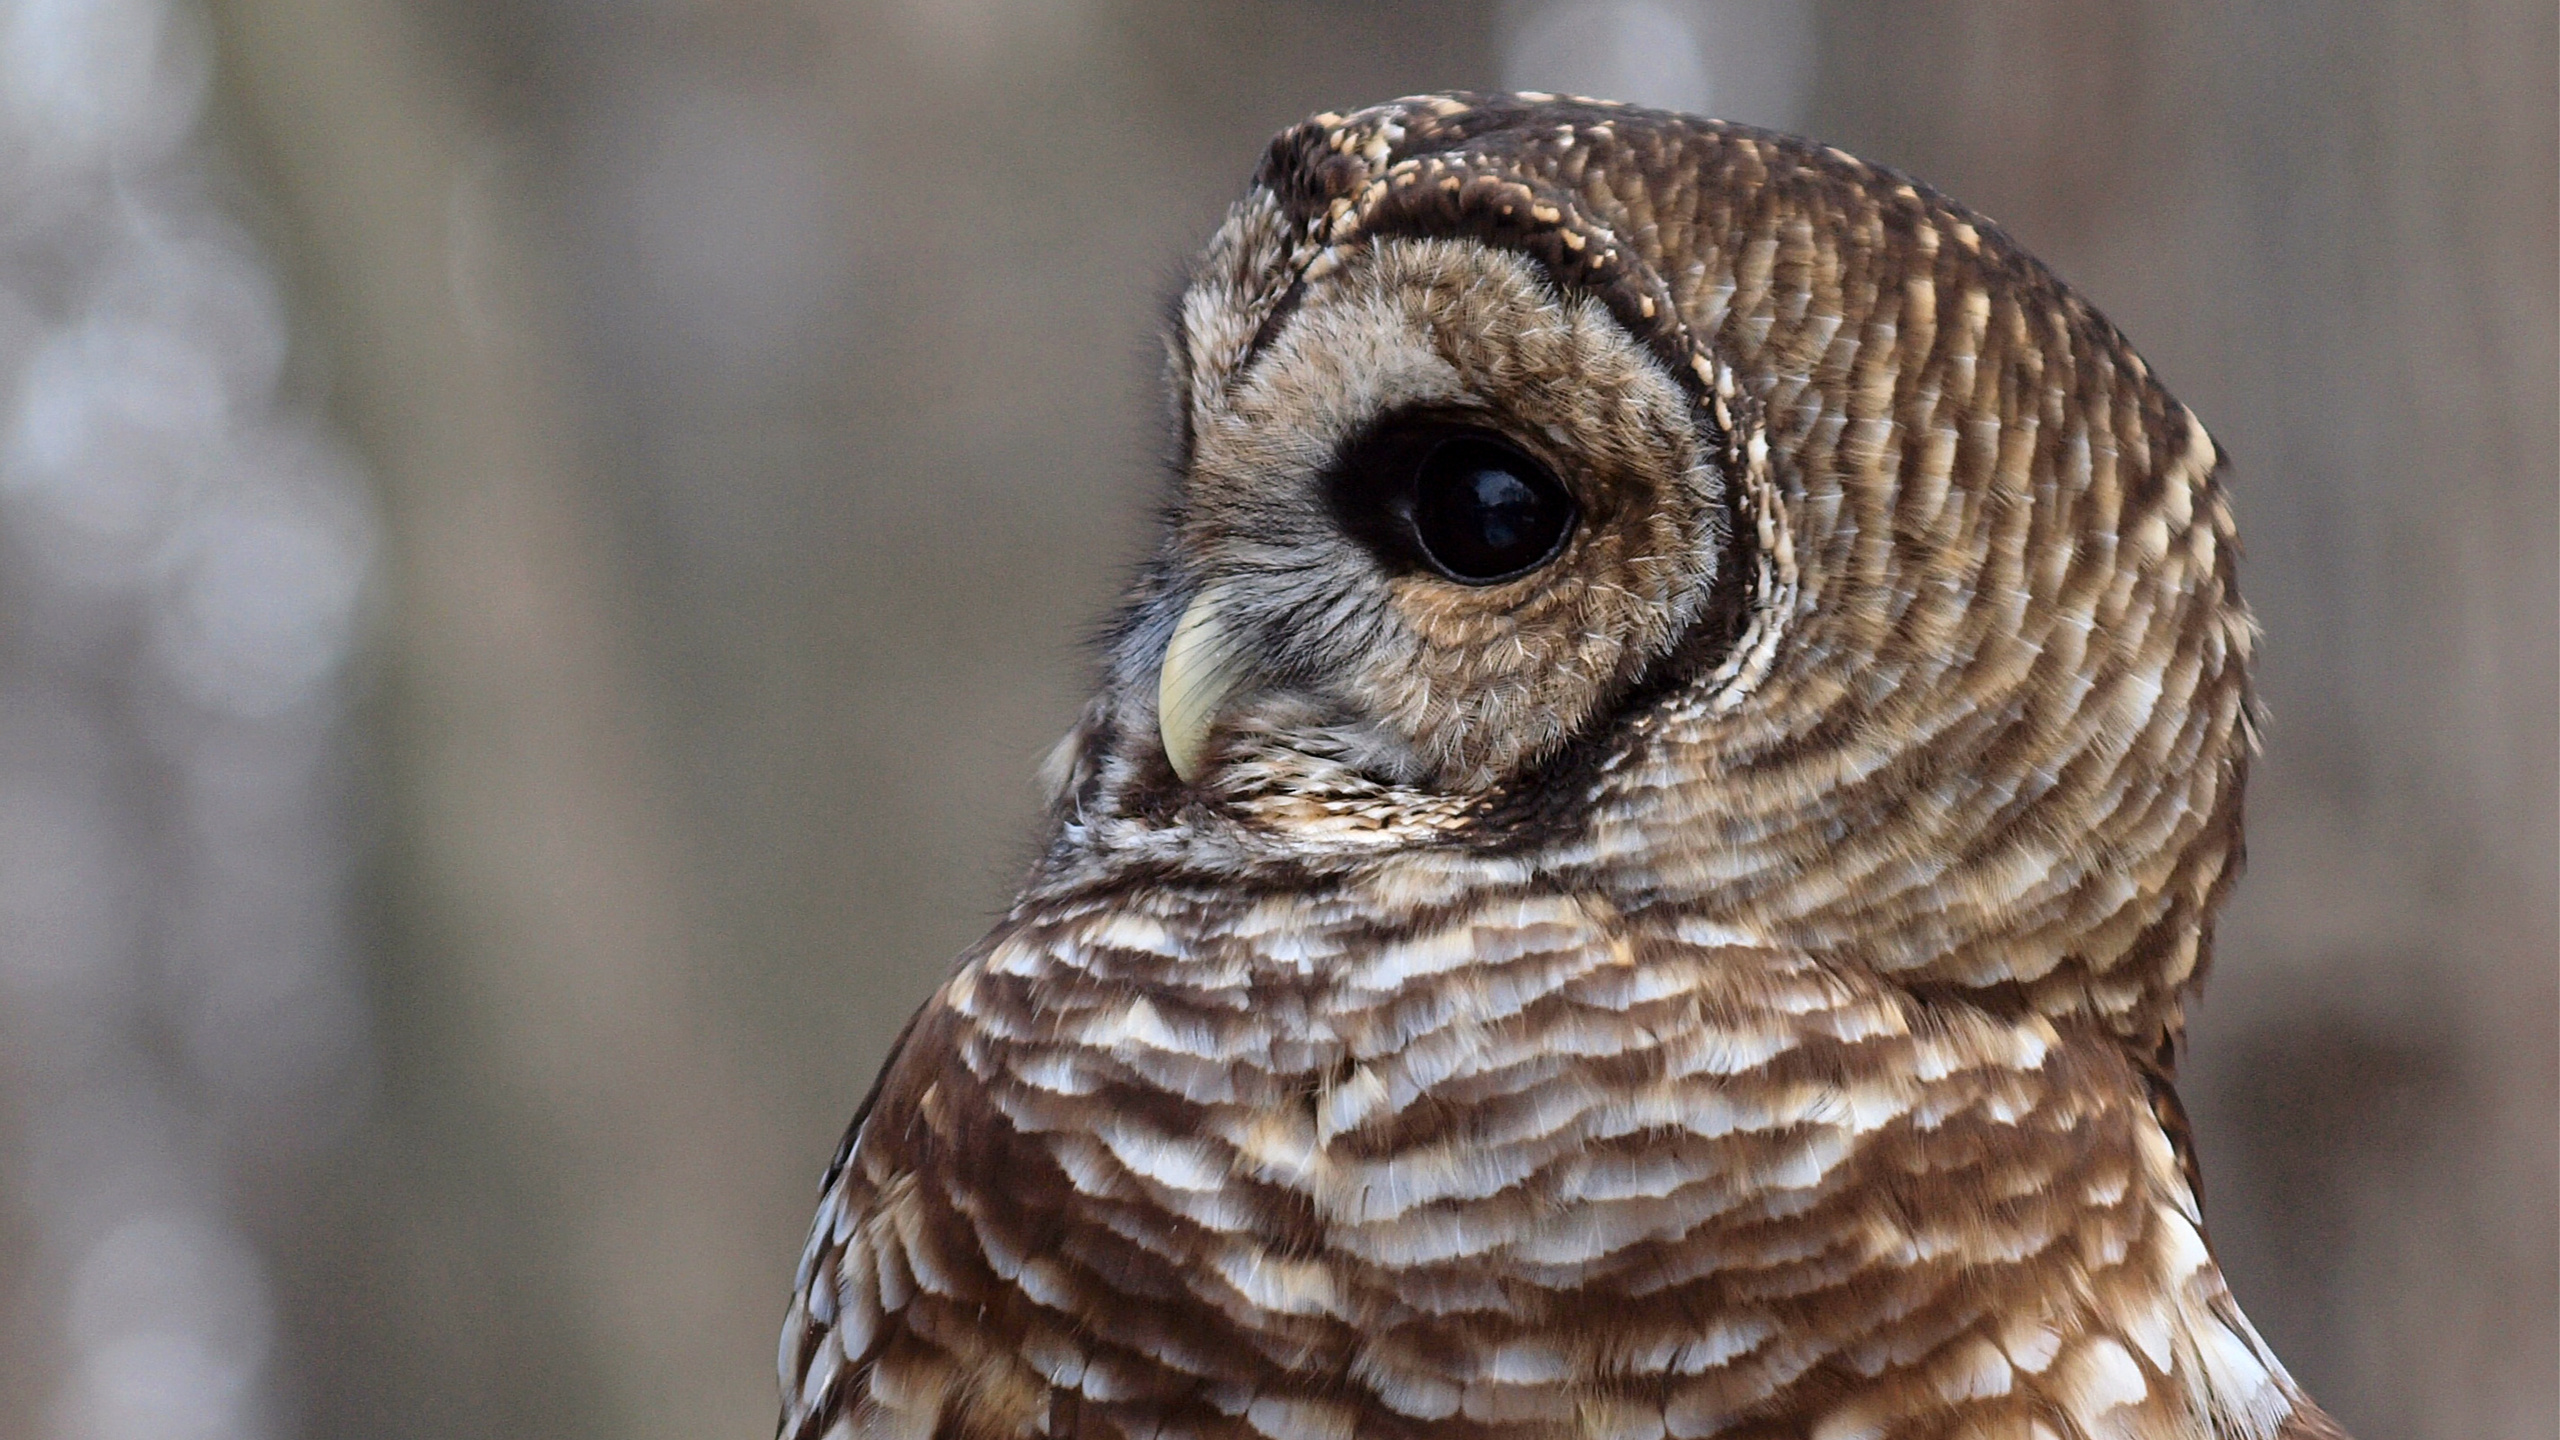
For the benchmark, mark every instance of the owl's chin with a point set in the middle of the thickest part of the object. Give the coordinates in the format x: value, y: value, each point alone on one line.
x: 1290, y: 764
x: 1285, y: 778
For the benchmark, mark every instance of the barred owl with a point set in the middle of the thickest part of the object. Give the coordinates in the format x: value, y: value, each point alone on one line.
x: 1636, y: 864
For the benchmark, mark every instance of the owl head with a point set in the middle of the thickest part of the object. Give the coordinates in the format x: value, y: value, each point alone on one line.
x: 1685, y: 516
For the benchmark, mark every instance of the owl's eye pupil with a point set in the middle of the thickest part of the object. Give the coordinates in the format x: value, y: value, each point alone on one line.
x: 1483, y: 511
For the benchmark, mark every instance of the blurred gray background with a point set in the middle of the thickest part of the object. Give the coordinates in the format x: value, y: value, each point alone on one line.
x: 541, y: 542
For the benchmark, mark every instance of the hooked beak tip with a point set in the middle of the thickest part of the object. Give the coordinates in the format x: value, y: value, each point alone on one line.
x: 1193, y: 686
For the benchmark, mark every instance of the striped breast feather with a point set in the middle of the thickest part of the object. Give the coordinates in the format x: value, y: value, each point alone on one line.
x: 1490, y: 1167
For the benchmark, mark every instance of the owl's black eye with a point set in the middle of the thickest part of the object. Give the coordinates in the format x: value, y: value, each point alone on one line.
x: 1448, y: 494
x: 1484, y: 512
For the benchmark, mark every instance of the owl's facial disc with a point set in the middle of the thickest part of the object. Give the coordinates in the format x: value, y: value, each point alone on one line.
x: 1456, y: 499
x: 1435, y: 525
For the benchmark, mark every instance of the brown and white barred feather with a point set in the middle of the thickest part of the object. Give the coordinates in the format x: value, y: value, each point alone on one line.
x: 1780, y: 1051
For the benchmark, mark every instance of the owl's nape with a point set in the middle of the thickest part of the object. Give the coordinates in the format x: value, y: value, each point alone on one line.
x: 1637, y: 864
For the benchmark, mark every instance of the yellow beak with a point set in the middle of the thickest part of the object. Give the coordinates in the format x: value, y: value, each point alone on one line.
x: 1198, y: 675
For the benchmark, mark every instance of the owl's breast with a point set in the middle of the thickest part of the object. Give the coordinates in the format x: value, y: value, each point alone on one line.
x: 1512, y: 1163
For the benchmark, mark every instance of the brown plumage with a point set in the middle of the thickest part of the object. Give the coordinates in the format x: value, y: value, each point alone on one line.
x: 1714, y: 975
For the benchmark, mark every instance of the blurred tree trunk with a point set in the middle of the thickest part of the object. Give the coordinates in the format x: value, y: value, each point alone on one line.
x: 549, y: 1225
